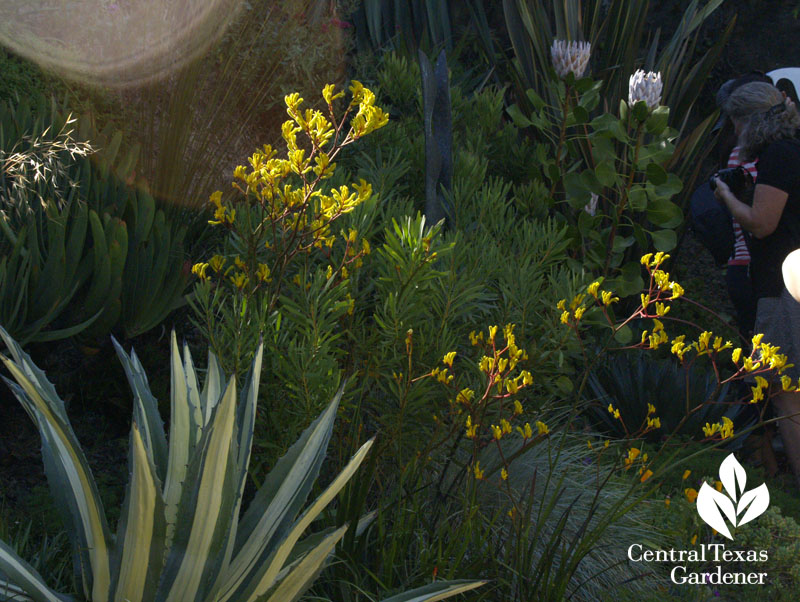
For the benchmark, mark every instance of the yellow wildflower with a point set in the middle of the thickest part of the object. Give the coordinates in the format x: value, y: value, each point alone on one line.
x: 448, y: 358
x: 542, y: 428
x: 517, y: 407
x: 471, y: 428
x: 263, y: 273
x: 686, y: 474
x: 647, y: 474
x: 477, y: 471
x: 504, y: 474
x: 691, y: 495
x: 592, y: 290
x: 199, y: 269
x: 526, y: 431
x: 607, y: 298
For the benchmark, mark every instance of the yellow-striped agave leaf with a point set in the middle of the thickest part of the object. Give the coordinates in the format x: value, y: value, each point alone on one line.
x: 276, y: 504
x: 68, y: 473
x: 213, y: 386
x: 145, y: 410
x: 139, y: 550
x: 245, y: 420
x: 23, y: 578
x: 183, y: 431
x: 205, y: 512
x: 192, y: 386
x: 305, y: 570
x: 440, y: 590
x: 265, y: 573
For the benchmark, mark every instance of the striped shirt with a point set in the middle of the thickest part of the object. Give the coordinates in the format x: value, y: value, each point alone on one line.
x: 741, y: 256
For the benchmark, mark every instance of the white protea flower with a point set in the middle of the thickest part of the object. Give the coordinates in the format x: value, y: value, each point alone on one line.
x: 591, y: 206
x: 646, y: 87
x: 570, y: 57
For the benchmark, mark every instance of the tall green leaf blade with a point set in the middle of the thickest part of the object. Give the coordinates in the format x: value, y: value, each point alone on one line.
x: 266, y: 570
x: 145, y: 410
x: 280, y: 498
x: 183, y: 430
x: 68, y: 471
x: 297, y: 581
x: 141, y: 535
x: 439, y: 590
x: 205, y: 512
x: 24, y: 576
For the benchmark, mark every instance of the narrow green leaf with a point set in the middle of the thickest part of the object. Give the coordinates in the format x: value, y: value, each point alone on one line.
x: 439, y: 590
x: 292, y: 586
x: 265, y: 573
x: 142, y: 530
x: 24, y: 576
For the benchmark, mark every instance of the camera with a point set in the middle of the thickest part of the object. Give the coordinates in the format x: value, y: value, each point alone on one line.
x: 736, y: 178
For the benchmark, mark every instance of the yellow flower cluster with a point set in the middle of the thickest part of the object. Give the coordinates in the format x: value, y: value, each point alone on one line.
x: 703, y: 345
x: 725, y: 428
x: 613, y: 411
x: 653, y: 422
x: 656, y: 338
x: 280, y: 199
x: 661, y: 280
x: 576, y: 309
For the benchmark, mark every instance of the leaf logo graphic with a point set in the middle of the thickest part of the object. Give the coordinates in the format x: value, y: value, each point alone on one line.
x: 714, y: 506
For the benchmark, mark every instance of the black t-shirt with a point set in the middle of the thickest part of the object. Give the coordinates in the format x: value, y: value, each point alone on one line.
x: 779, y: 167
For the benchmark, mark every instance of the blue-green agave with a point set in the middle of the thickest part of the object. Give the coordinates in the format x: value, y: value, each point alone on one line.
x: 179, y: 536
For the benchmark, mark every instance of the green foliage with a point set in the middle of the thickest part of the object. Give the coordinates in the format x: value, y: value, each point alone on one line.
x: 606, y: 178
x: 284, y: 215
x: 82, y: 251
x: 180, y: 534
x: 21, y: 79
x: 616, y: 32
x: 676, y: 392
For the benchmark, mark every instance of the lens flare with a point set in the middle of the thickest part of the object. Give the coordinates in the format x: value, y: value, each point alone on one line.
x: 113, y: 42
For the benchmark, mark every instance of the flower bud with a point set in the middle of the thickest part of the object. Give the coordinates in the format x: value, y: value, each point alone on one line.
x: 570, y: 57
x: 646, y: 87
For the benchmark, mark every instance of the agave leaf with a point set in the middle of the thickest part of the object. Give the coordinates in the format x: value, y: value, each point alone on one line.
x: 302, y: 547
x: 68, y: 472
x: 436, y: 591
x: 145, y: 410
x: 192, y: 385
x: 265, y: 573
x: 212, y: 387
x: 292, y: 586
x: 139, y: 553
x: 205, y: 511
x: 183, y: 430
x: 279, y: 499
x: 23, y: 577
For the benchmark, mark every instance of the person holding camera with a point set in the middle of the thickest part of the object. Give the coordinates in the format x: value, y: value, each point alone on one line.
x: 765, y: 122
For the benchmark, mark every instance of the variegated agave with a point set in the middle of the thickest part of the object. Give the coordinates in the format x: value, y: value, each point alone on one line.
x: 179, y: 536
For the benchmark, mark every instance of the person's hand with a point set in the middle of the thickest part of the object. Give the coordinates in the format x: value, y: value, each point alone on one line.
x: 722, y: 189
